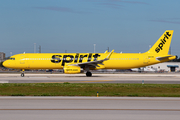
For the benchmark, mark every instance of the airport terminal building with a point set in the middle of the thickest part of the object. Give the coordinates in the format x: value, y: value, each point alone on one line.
x: 166, y: 66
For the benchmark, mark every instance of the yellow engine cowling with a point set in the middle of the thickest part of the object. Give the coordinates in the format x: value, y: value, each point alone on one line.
x: 72, y: 69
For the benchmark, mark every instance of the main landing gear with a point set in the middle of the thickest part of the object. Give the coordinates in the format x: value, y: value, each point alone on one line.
x: 22, y: 74
x: 88, y: 74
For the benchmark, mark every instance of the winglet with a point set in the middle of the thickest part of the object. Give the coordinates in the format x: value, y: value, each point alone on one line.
x: 106, y: 51
x: 109, y: 54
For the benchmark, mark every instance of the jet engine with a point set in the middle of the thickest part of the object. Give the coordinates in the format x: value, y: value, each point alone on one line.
x: 72, y: 69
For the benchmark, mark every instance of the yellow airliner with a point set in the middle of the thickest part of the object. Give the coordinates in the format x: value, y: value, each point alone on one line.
x: 73, y: 63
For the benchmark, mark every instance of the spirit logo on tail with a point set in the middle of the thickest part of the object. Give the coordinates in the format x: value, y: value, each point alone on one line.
x: 163, y: 41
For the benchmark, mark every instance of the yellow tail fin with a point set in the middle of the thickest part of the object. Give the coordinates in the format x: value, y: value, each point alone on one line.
x: 163, y: 44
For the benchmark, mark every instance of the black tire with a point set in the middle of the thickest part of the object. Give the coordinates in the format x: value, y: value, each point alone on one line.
x: 22, y: 74
x: 88, y: 74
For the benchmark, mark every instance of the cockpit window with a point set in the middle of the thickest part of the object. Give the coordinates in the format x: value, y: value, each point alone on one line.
x: 11, y: 58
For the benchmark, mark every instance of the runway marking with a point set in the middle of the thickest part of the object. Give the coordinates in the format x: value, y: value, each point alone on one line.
x: 37, y: 77
x: 4, y: 81
x: 80, y: 81
x: 103, y: 109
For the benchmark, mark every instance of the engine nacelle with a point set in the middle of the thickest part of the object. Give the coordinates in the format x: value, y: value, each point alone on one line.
x: 72, y: 69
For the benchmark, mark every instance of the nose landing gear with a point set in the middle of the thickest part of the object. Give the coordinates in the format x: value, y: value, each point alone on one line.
x: 22, y: 74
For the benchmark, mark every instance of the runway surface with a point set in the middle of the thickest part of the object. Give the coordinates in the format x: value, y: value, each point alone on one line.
x: 89, y: 108
x: 169, y: 78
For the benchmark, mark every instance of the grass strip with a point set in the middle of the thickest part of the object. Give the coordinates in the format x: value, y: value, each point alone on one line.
x: 85, y: 89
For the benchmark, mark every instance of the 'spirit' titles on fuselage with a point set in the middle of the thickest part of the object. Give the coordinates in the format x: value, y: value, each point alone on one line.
x: 78, y: 58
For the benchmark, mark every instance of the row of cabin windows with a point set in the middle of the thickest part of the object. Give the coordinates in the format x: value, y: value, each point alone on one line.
x: 80, y: 59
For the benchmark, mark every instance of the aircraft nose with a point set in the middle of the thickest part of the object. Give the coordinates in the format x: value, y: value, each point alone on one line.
x: 5, y: 64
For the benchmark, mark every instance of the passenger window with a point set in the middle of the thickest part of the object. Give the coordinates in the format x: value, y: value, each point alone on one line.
x: 11, y: 58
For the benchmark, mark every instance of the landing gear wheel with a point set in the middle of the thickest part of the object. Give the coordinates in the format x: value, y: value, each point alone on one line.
x: 22, y: 74
x: 88, y: 74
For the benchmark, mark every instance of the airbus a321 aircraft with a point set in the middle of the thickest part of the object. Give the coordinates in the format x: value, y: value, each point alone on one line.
x: 73, y: 63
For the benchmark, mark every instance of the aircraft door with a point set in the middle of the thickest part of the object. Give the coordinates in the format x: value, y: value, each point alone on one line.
x: 145, y: 61
x: 22, y: 59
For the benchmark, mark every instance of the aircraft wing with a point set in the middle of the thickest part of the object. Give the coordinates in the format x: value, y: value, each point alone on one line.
x: 93, y: 64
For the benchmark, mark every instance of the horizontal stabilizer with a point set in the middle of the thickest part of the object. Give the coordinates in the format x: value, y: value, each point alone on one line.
x: 165, y: 57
